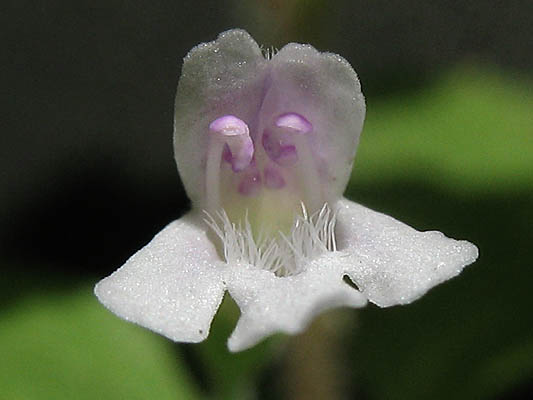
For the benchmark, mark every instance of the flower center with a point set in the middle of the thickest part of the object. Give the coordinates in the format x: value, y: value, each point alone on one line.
x: 267, y: 174
x: 261, y: 184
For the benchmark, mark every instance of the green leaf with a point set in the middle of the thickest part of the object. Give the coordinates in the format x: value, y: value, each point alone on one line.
x: 468, y: 132
x: 58, y: 345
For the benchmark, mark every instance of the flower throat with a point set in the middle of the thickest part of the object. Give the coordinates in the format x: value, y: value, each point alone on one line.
x: 259, y: 193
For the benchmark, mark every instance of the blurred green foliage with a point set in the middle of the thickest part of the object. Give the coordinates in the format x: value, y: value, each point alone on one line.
x: 455, y: 156
x: 65, y: 345
x: 232, y: 375
x: 472, y: 131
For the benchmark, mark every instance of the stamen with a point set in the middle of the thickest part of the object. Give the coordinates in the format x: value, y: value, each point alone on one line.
x: 279, y: 143
x: 229, y: 141
x: 236, y: 135
x: 296, y: 128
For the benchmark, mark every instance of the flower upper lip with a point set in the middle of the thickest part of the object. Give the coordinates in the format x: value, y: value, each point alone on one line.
x: 175, y: 284
x: 230, y: 76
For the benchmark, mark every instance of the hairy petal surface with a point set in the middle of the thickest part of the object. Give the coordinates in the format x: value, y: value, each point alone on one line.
x: 271, y: 304
x: 393, y: 263
x: 225, y: 76
x: 172, y: 286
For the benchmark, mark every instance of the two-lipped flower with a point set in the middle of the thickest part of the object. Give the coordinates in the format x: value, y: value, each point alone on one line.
x: 264, y: 147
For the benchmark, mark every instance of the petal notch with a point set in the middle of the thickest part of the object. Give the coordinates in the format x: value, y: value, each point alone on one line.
x: 393, y: 263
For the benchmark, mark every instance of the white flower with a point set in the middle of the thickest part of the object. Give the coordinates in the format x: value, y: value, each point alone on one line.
x: 265, y: 148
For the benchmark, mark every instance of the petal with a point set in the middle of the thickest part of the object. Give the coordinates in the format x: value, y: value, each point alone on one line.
x: 325, y: 90
x: 272, y: 304
x: 225, y: 76
x: 172, y: 286
x: 393, y: 263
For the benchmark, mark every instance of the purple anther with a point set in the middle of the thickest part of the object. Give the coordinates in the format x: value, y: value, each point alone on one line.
x: 273, y: 178
x: 234, y: 133
x: 294, y: 122
x: 250, y: 184
x: 229, y: 125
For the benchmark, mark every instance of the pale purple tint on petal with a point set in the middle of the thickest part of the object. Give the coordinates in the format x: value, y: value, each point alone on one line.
x: 323, y: 89
x: 229, y: 76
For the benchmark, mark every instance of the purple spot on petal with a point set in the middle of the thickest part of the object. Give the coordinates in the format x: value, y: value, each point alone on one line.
x: 250, y: 184
x: 270, y: 145
x: 287, y: 156
x: 273, y: 178
x: 278, y: 151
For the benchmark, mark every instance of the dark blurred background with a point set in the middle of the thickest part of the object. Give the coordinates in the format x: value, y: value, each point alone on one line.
x: 87, y: 177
